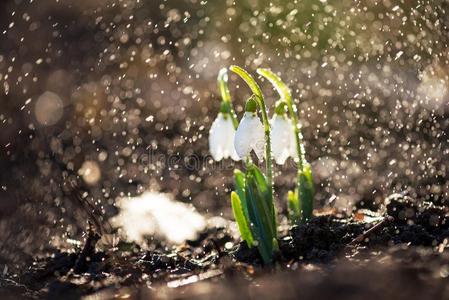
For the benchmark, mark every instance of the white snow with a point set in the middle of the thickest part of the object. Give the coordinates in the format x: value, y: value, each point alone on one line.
x: 159, y: 215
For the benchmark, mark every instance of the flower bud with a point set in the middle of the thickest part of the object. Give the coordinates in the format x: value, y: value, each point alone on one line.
x: 251, y: 104
x: 280, y: 108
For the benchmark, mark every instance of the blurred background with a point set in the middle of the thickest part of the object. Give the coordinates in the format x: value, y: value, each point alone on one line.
x: 102, y: 99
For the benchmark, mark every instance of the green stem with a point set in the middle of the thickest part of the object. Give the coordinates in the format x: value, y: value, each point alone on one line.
x: 222, y: 81
x: 261, y: 102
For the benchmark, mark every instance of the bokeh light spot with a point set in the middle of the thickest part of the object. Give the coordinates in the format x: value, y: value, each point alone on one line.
x: 48, y: 109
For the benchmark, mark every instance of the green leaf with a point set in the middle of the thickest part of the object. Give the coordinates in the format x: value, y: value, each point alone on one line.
x: 259, y: 223
x: 240, y: 189
x: 261, y: 212
x: 306, y: 192
x: 275, y: 245
x: 239, y: 183
x: 262, y: 187
x: 241, y: 220
x: 294, y: 210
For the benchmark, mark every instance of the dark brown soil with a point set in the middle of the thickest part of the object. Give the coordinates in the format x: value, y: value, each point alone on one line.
x: 399, y: 254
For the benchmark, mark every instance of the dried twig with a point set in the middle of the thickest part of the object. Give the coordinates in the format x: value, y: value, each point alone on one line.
x: 87, y: 252
x: 360, y: 238
x: 93, y: 213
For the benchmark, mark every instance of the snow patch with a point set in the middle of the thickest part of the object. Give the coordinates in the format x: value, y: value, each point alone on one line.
x: 159, y: 215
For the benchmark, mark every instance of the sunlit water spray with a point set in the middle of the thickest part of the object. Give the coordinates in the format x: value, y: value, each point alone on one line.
x: 89, y: 90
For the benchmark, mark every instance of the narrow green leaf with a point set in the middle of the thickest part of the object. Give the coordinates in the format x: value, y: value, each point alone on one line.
x: 265, y: 194
x: 260, y: 179
x: 241, y: 220
x: 275, y: 245
x: 294, y: 210
x: 240, y: 189
x: 259, y: 222
x: 239, y: 183
x: 261, y: 212
x: 306, y: 192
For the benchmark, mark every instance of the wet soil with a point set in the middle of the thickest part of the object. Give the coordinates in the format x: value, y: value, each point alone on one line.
x: 399, y: 251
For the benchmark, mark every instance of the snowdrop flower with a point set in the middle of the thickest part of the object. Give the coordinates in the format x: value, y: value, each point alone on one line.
x: 250, y: 133
x: 282, y: 136
x: 221, y: 136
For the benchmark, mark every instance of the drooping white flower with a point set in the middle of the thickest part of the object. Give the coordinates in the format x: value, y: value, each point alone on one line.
x: 250, y: 136
x: 282, y: 139
x: 221, y: 137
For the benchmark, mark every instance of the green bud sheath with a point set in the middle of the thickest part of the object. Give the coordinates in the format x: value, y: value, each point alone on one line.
x: 251, y: 104
x: 225, y: 108
x: 280, y: 108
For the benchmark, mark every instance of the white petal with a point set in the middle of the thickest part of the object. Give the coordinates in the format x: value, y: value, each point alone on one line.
x: 242, y: 140
x: 234, y: 154
x: 230, y: 146
x: 293, y: 150
x: 258, y: 139
x: 280, y: 138
x: 218, y: 138
x: 228, y: 136
x: 250, y: 136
